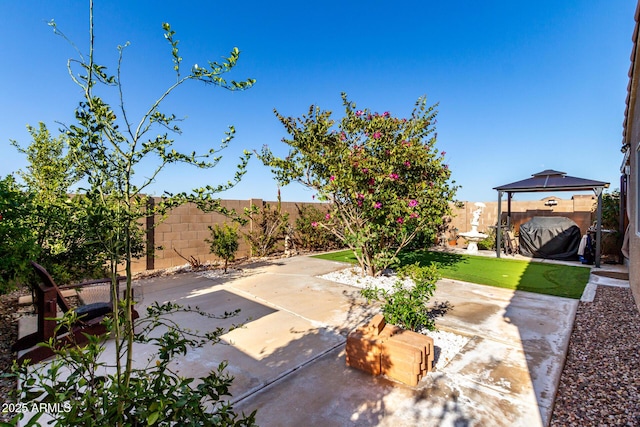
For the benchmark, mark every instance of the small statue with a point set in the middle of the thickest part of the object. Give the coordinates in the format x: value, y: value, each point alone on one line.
x: 289, y: 244
x: 476, y: 215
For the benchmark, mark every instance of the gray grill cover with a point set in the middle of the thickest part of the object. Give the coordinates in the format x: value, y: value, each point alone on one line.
x: 550, y: 238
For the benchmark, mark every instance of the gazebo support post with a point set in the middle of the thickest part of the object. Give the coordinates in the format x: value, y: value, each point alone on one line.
x: 509, y: 197
x: 598, y: 192
x: 499, y: 227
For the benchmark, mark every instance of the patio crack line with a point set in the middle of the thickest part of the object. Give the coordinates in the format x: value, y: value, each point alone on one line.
x: 286, y: 373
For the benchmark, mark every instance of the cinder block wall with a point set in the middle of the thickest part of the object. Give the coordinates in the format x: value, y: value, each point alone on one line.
x: 186, y: 227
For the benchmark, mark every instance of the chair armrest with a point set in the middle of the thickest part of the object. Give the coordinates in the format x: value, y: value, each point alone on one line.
x: 90, y: 282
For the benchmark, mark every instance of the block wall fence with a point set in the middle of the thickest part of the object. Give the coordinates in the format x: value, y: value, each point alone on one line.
x: 185, y: 228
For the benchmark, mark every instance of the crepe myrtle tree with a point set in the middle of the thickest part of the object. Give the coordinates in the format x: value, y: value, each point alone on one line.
x: 383, y: 176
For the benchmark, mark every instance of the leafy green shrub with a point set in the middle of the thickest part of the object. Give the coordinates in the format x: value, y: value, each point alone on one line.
x: 155, y: 394
x: 17, y: 240
x: 42, y: 222
x: 489, y: 242
x: 407, y: 306
x: 308, y: 235
x: 268, y: 227
x: 223, y: 242
x: 424, y: 239
x: 611, y: 241
x: 610, y: 210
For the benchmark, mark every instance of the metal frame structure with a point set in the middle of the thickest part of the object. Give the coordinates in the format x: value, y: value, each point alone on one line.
x: 550, y: 181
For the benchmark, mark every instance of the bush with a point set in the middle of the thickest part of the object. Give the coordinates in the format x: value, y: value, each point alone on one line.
x: 407, y: 307
x: 424, y: 239
x: 611, y: 242
x: 489, y: 242
x: 268, y: 227
x: 17, y: 240
x: 310, y: 237
x: 223, y: 242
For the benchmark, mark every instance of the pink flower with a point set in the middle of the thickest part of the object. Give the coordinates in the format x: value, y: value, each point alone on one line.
x: 342, y: 136
x: 413, y: 203
x: 365, y: 170
x: 359, y: 113
x: 376, y: 135
x: 377, y: 205
x: 400, y: 220
x: 359, y: 203
x: 314, y: 224
x: 332, y: 178
x: 443, y: 153
x: 327, y: 216
x: 372, y: 181
x: 393, y: 176
x: 386, y: 114
x: 414, y: 215
x: 407, y: 163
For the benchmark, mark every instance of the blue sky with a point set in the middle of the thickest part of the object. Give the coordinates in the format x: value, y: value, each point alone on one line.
x: 521, y: 86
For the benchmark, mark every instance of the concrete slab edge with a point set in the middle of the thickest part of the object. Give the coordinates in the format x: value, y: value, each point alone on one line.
x: 589, y: 292
x: 565, y: 350
x: 285, y: 374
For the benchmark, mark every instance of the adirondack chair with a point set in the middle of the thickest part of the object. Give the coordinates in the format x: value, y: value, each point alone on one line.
x: 48, y: 297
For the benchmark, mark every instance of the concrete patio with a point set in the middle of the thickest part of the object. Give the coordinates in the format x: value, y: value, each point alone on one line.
x: 289, y: 363
x: 289, y: 360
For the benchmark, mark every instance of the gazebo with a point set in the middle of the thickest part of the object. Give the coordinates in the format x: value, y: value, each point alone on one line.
x: 550, y: 181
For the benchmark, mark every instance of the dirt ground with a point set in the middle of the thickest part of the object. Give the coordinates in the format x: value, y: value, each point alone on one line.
x: 8, y: 335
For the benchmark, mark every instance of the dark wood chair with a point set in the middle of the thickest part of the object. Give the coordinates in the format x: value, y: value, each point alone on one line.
x: 511, y: 244
x: 47, y: 298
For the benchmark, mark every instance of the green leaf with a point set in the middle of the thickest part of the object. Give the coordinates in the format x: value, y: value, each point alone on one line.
x: 153, y: 418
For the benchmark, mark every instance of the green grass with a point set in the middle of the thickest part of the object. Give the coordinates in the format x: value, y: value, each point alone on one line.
x: 542, y: 278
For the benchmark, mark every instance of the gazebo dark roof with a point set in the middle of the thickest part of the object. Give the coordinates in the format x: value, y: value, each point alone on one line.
x: 551, y: 180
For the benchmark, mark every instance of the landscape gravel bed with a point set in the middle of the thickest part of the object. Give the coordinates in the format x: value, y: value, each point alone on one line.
x: 600, y: 383
x: 8, y: 335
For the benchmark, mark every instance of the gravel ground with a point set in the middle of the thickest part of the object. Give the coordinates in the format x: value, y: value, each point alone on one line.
x: 600, y: 383
x: 8, y: 335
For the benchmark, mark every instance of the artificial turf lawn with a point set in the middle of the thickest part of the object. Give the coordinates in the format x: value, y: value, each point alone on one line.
x: 542, y: 278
